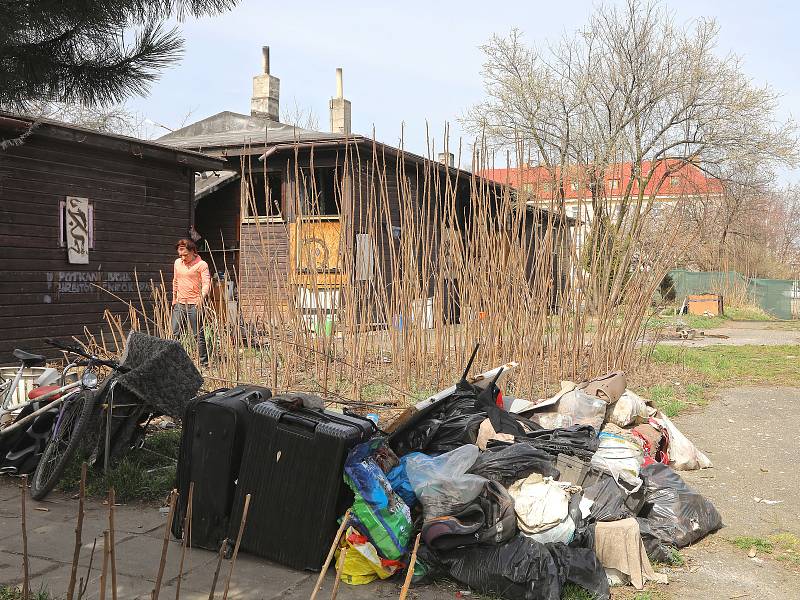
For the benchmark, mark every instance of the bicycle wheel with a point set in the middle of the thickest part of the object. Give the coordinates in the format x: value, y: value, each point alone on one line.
x: 63, y: 443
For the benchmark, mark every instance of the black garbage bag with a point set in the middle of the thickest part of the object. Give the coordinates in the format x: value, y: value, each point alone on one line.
x: 521, y: 569
x: 507, y: 464
x: 657, y: 550
x: 610, y: 502
x: 674, y: 513
x: 454, y: 421
x: 576, y: 440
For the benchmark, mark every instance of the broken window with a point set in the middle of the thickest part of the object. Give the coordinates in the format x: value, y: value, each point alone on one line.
x: 320, y: 191
x: 265, y: 195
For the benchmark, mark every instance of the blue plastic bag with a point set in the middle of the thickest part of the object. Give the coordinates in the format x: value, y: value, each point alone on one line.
x: 363, y: 475
x: 398, y: 479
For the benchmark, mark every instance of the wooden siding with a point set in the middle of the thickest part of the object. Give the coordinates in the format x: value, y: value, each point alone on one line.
x: 217, y: 220
x: 140, y: 205
x: 263, y: 264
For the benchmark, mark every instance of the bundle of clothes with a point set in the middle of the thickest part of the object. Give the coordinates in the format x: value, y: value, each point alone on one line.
x: 517, y: 499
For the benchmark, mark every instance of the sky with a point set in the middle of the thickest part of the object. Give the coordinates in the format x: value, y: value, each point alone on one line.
x: 411, y: 68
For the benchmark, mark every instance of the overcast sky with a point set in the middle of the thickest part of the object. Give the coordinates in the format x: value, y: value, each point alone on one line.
x: 417, y: 62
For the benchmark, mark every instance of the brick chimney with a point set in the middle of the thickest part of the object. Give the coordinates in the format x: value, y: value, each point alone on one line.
x: 266, y: 91
x: 447, y: 158
x: 340, y: 108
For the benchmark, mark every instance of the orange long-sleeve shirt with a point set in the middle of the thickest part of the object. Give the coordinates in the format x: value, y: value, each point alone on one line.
x: 190, y: 283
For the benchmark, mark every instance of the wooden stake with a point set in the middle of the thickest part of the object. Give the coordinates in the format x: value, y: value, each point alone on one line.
x: 331, y: 552
x: 172, y: 499
x: 112, y: 497
x: 187, y: 524
x: 222, y: 550
x: 339, y: 567
x: 85, y: 582
x: 410, y: 569
x: 76, y: 552
x: 236, y: 547
x: 26, y: 580
x: 104, y: 572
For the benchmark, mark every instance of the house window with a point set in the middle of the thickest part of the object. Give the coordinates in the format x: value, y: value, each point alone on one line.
x: 572, y: 211
x: 62, y: 224
x: 674, y: 181
x: 320, y: 191
x: 613, y: 184
x: 265, y: 195
x: 575, y: 185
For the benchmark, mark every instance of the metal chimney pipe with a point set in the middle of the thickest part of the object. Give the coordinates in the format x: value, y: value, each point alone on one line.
x: 265, y: 59
x: 339, y: 84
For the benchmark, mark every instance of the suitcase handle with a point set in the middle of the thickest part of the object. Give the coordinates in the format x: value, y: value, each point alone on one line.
x: 299, y: 421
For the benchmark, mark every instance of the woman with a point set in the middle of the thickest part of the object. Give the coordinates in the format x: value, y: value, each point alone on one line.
x: 191, y: 282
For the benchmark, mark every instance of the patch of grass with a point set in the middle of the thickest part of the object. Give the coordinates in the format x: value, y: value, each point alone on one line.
x: 746, y: 542
x: 13, y: 593
x: 145, y: 474
x: 373, y: 392
x: 574, y: 592
x: 663, y: 396
x: 735, y: 365
x: 748, y: 313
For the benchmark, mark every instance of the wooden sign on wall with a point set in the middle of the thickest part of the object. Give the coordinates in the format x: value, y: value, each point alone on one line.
x: 77, y: 230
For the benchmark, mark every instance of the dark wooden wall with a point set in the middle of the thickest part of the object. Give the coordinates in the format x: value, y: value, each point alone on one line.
x: 141, y: 207
x: 217, y: 220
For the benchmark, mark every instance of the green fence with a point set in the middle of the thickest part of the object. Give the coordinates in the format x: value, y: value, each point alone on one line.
x: 778, y: 297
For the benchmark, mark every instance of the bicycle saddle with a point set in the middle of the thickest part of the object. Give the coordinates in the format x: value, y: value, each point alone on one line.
x: 29, y: 360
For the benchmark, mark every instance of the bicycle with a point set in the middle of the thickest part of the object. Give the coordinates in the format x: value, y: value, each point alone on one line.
x: 76, y: 411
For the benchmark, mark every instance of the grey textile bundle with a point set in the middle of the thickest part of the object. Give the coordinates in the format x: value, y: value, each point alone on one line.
x: 162, y: 375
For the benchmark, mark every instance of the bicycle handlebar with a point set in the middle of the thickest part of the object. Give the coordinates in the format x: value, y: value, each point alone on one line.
x: 75, y: 350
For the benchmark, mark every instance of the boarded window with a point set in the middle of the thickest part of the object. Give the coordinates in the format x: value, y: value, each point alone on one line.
x: 365, y: 257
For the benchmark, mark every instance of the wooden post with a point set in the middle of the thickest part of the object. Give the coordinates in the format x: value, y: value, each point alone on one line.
x: 26, y: 580
x: 104, y: 572
x: 84, y: 584
x: 339, y: 568
x: 76, y: 552
x: 187, y: 524
x: 321, y: 578
x: 236, y: 547
x: 222, y: 550
x: 172, y: 499
x: 410, y: 569
x: 112, y: 498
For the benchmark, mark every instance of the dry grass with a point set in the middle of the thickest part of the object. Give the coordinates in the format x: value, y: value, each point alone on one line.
x: 380, y: 347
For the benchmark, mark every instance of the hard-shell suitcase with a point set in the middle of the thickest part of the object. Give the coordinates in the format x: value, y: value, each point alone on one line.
x: 214, y: 433
x: 292, y: 468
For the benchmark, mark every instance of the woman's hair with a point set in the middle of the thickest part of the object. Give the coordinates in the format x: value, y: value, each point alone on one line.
x: 188, y: 244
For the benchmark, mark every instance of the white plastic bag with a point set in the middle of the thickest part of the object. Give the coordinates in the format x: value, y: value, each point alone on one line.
x: 622, y: 459
x: 628, y: 410
x: 540, y: 503
x: 683, y: 454
x: 441, y: 482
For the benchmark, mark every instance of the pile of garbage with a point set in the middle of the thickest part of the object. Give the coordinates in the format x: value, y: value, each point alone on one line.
x: 516, y: 498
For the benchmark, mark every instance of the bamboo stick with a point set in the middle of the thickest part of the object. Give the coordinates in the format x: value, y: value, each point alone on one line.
x: 78, y: 534
x: 338, y: 577
x: 410, y: 569
x: 329, y: 558
x: 112, y: 498
x: 236, y: 547
x: 222, y: 550
x: 26, y: 580
x: 84, y: 583
x: 172, y: 500
x: 104, y: 572
x: 187, y: 524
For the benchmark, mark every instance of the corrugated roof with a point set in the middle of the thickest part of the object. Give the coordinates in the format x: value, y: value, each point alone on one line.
x: 229, y: 129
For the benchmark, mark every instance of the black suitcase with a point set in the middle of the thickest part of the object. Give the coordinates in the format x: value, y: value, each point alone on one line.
x: 214, y: 433
x: 293, y: 469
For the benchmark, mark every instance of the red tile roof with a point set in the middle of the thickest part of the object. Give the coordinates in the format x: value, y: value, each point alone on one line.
x: 686, y: 180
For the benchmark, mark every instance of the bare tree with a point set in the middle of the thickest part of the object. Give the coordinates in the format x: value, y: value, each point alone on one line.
x: 300, y: 116
x: 634, y: 87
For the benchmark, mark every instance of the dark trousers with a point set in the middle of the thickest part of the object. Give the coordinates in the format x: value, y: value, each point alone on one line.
x: 187, y: 316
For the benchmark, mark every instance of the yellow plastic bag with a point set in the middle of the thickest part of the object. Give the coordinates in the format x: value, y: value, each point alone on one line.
x: 362, y: 564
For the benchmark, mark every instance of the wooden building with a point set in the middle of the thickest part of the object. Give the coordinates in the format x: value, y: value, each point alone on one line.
x: 290, y: 202
x: 87, y: 221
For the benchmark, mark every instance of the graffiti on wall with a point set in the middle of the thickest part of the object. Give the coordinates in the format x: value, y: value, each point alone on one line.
x: 95, y: 283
